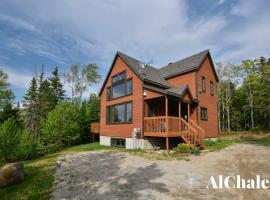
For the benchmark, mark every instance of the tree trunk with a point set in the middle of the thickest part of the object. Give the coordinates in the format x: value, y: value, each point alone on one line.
x: 251, y: 107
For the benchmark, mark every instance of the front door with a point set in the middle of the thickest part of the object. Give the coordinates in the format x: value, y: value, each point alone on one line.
x: 184, y: 111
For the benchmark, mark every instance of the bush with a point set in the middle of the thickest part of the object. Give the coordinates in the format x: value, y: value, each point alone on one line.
x: 27, y: 146
x: 183, y: 148
x: 9, y: 139
x: 195, y: 150
x: 62, y: 128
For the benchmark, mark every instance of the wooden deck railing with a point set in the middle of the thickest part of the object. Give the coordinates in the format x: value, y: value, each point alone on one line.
x: 168, y: 126
x: 161, y: 126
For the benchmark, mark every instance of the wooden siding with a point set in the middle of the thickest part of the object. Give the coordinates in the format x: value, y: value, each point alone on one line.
x: 185, y: 79
x: 207, y: 100
x: 122, y: 130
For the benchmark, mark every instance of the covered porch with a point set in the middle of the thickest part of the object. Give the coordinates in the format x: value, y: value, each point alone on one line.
x: 167, y: 116
x: 171, y: 116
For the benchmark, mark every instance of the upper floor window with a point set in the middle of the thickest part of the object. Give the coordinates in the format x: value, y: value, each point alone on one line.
x: 119, y: 77
x: 204, y: 114
x: 120, y: 86
x: 211, y: 88
x: 120, y: 113
x: 203, y: 84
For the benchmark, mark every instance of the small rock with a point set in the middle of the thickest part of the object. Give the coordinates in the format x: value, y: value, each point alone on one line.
x: 11, y: 173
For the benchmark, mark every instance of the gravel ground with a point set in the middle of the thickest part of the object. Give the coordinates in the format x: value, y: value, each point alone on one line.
x: 110, y: 175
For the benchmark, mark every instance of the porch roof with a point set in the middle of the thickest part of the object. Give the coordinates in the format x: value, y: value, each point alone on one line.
x: 173, y: 91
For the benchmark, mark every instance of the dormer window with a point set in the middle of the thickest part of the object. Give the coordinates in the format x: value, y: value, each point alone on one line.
x: 120, y: 86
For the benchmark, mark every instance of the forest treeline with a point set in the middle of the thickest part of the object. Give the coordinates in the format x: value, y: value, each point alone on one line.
x: 244, y: 95
x: 49, y: 118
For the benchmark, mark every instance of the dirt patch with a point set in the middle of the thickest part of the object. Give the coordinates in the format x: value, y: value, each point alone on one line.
x: 110, y: 175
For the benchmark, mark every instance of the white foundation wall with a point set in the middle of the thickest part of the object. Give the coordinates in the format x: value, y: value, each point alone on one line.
x: 105, y: 140
x: 130, y: 144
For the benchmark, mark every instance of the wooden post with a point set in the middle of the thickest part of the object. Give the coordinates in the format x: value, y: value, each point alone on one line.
x: 166, y: 113
x: 188, y: 110
x: 167, y: 144
x: 179, y: 115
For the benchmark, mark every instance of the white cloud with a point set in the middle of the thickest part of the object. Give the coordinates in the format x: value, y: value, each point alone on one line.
x: 18, y: 79
x: 156, y: 30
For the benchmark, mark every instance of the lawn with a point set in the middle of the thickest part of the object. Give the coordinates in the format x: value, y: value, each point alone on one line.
x: 227, y: 139
x: 39, y: 175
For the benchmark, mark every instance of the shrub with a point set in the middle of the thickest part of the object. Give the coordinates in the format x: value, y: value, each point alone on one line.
x: 182, y: 148
x: 9, y: 139
x: 195, y: 150
x: 27, y: 146
x: 61, y: 128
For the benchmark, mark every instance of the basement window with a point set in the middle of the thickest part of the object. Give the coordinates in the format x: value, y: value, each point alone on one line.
x: 118, y: 142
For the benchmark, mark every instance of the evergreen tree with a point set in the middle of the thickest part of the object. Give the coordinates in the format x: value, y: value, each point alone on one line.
x: 45, y: 99
x: 6, y: 95
x: 31, y: 111
x: 57, y: 87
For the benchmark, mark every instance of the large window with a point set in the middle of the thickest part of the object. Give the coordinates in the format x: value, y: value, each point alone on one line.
x: 211, y: 88
x: 203, y: 84
x: 119, y: 77
x: 120, y: 113
x: 120, y: 86
x: 204, y: 114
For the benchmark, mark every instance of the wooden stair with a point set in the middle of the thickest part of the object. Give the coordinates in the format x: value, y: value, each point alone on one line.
x: 192, y: 133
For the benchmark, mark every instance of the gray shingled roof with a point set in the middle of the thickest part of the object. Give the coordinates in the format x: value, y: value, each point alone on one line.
x: 150, y: 74
x: 174, y: 91
x: 178, y: 90
x: 185, y: 65
x: 145, y: 71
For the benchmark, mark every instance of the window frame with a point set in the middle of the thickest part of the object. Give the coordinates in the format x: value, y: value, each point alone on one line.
x: 211, y: 88
x: 205, y: 117
x: 108, y: 112
x: 123, y: 81
x: 203, y: 84
x: 122, y: 142
x: 119, y: 75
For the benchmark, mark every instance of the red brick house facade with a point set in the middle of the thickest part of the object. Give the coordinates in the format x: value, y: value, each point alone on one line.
x: 144, y: 107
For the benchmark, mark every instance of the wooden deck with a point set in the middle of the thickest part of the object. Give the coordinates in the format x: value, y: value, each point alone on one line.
x: 168, y: 126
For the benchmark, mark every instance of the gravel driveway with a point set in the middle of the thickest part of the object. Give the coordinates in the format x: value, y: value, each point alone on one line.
x: 109, y: 175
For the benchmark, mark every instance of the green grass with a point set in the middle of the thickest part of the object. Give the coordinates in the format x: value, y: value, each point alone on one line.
x: 39, y: 172
x: 39, y: 175
x: 247, y: 137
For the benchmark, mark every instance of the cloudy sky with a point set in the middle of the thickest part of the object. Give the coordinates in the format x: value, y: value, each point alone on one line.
x: 64, y: 32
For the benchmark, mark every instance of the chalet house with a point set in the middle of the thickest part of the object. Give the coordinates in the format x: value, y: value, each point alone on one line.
x: 145, y: 107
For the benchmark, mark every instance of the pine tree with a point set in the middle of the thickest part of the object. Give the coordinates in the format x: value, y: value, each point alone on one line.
x: 45, y: 98
x: 31, y: 112
x: 57, y: 87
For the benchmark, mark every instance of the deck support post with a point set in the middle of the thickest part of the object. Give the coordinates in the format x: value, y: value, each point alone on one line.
x: 167, y: 144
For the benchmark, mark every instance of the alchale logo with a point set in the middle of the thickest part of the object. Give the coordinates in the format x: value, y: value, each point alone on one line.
x: 237, y: 182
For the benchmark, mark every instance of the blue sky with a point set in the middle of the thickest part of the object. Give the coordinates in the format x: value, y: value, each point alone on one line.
x: 64, y: 32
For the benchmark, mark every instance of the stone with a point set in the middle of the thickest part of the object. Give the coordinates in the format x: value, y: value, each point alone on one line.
x: 11, y: 173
